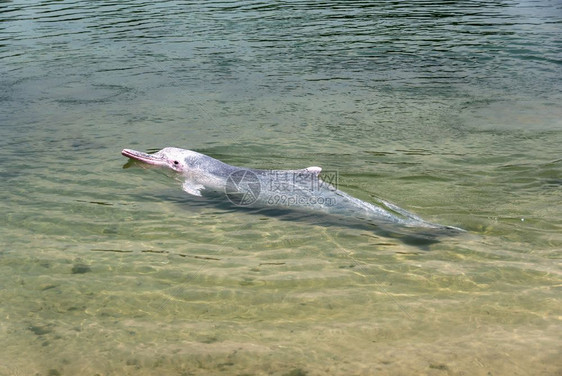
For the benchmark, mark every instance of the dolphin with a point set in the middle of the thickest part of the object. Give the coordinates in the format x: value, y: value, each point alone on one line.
x: 283, y: 189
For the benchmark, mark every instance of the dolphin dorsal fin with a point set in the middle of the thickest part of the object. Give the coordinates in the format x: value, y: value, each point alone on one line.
x: 315, y: 170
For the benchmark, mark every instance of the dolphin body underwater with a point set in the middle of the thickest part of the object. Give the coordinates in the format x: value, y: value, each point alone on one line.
x: 301, y: 190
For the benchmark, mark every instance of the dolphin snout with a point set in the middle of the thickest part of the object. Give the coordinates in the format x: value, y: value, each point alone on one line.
x: 143, y: 157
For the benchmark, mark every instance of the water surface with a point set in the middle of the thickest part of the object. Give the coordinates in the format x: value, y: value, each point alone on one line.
x: 450, y: 110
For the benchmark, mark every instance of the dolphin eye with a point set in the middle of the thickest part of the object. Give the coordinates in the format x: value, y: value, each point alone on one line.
x: 176, y: 163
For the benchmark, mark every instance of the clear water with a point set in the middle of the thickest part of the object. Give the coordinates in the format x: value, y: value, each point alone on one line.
x: 450, y: 110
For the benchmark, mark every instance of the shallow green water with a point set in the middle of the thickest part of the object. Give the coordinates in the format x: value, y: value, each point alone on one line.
x: 451, y: 111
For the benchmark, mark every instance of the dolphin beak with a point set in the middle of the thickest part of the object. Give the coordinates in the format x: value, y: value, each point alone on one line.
x: 143, y: 157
